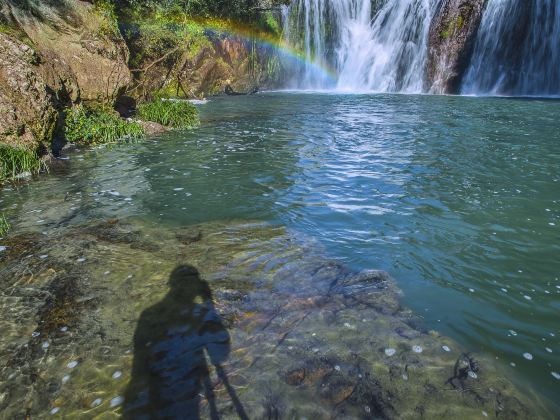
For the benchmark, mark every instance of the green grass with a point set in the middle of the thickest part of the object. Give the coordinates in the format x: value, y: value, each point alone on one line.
x: 176, y: 114
x: 15, y: 162
x: 98, y: 126
x: 4, y: 225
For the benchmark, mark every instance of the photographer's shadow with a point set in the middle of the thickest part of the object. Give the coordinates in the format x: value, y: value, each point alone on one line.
x: 170, y: 372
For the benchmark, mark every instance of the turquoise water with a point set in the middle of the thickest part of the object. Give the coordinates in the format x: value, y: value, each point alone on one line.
x: 458, y: 198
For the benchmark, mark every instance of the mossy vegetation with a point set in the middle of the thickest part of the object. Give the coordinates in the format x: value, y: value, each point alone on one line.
x: 171, y: 113
x: 91, y: 126
x: 16, y: 162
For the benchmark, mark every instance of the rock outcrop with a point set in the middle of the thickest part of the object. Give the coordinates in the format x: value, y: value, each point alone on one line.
x: 27, y: 109
x: 451, y: 43
x: 80, y: 38
x: 53, y: 55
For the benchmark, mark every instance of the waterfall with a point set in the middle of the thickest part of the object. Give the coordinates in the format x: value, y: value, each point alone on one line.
x: 367, y: 45
x: 517, y: 51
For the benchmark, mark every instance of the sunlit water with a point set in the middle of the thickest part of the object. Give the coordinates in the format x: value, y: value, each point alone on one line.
x: 458, y: 198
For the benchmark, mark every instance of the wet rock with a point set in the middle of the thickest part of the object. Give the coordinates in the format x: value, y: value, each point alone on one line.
x: 451, y: 42
x: 153, y: 129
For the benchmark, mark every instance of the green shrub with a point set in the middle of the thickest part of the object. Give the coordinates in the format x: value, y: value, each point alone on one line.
x: 16, y: 162
x: 4, y: 225
x: 176, y: 114
x: 97, y: 126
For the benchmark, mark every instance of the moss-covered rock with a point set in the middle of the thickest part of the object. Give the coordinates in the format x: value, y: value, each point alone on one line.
x: 451, y: 42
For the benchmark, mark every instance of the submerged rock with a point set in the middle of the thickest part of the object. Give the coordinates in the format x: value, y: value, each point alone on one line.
x: 285, y: 308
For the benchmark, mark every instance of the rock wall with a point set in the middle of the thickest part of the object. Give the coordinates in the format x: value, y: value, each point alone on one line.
x: 451, y: 43
x: 27, y: 109
x: 196, y: 63
x: 54, y: 54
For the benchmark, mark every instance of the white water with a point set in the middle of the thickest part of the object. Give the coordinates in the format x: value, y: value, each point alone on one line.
x: 381, y: 50
x: 518, y: 49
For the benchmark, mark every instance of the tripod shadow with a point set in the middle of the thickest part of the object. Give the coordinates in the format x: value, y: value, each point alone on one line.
x: 170, y: 371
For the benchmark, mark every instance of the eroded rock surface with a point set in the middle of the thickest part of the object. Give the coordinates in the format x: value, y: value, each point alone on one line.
x: 27, y: 110
x: 451, y: 42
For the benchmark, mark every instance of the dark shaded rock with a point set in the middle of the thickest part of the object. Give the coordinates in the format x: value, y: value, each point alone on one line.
x: 451, y: 42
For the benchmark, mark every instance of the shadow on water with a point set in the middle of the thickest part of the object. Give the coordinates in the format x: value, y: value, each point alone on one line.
x: 173, y: 340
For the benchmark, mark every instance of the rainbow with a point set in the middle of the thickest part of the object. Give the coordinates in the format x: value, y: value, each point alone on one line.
x: 264, y: 39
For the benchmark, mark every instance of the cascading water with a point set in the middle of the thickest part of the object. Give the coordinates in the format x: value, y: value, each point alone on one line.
x: 367, y: 45
x: 518, y: 49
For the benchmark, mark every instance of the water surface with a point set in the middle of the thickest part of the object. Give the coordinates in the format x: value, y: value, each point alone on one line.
x: 458, y: 198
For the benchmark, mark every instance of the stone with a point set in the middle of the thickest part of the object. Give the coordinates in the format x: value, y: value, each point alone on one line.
x: 451, y: 43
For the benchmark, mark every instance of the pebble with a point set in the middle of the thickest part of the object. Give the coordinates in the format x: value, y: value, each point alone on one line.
x: 405, y: 376
x: 471, y: 290
x: 2, y: 248
x: 528, y: 356
x: 445, y: 348
x: 117, y: 374
x: 390, y: 352
x: 485, y: 414
x: 337, y: 368
x: 64, y: 329
x: 65, y: 378
x: 512, y: 332
x: 556, y: 375
x: 81, y: 260
x: 45, y: 345
x: 115, y: 402
x: 473, y: 374
x: 96, y: 402
x: 43, y: 256
x: 527, y: 297
x: 72, y: 364
x: 55, y: 410
x: 417, y: 349
x: 513, y: 364
x: 548, y: 349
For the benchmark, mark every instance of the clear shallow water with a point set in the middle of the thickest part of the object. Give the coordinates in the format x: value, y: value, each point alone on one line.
x: 457, y: 198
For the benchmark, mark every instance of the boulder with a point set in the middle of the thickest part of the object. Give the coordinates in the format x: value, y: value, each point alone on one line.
x: 451, y: 42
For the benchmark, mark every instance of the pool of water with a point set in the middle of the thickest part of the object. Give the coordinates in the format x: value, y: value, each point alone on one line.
x: 457, y: 198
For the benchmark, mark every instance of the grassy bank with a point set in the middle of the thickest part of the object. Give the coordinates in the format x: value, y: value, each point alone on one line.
x: 15, y: 163
x: 175, y: 114
x: 98, y: 126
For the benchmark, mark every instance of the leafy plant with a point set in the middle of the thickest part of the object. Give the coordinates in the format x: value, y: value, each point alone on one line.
x: 172, y: 113
x: 15, y: 162
x: 4, y: 225
x: 98, y: 126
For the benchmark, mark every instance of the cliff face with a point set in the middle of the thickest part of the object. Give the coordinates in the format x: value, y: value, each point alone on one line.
x: 451, y: 42
x: 54, y: 54
x: 27, y: 110
x: 199, y: 64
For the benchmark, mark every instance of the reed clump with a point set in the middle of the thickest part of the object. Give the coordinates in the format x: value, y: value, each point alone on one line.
x: 16, y: 163
x: 171, y: 113
x: 91, y: 126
